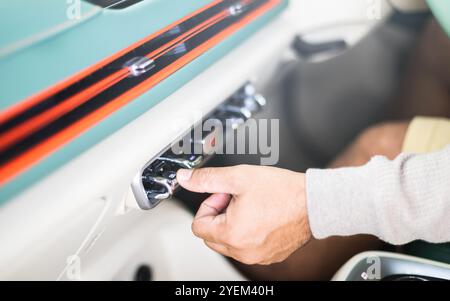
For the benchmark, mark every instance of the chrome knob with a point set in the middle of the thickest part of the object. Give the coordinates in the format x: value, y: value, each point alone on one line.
x: 188, y: 163
x: 163, y: 186
x: 236, y: 9
x: 139, y: 65
x: 261, y: 100
x: 241, y: 111
x: 249, y: 89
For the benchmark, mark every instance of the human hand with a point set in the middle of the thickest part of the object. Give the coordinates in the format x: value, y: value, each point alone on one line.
x: 256, y: 215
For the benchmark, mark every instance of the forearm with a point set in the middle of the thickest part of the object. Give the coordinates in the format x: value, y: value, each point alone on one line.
x: 397, y: 201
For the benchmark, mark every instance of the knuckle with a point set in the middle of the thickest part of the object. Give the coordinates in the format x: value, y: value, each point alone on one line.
x: 195, y: 229
x: 250, y: 259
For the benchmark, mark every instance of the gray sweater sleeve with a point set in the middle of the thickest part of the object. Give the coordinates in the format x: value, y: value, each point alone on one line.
x: 398, y: 201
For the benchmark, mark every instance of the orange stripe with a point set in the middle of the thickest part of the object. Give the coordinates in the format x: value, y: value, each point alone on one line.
x: 35, y: 99
x: 53, y: 143
x: 34, y: 124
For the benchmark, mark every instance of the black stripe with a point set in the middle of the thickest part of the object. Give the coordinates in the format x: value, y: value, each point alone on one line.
x: 118, y: 89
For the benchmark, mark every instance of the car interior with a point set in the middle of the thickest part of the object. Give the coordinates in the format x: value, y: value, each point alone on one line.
x: 108, y: 208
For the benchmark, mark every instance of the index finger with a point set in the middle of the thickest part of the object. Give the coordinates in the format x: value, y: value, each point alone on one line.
x: 211, y: 180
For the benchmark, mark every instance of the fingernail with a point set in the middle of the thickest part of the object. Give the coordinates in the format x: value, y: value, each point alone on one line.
x: 184, y: 175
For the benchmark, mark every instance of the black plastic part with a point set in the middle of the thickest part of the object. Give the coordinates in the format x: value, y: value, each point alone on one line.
x: 143, y: 273
x: 305, y: 49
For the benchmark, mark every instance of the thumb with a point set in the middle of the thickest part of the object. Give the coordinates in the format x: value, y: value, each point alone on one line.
x: 209, y: 222
x: 211, y: 180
